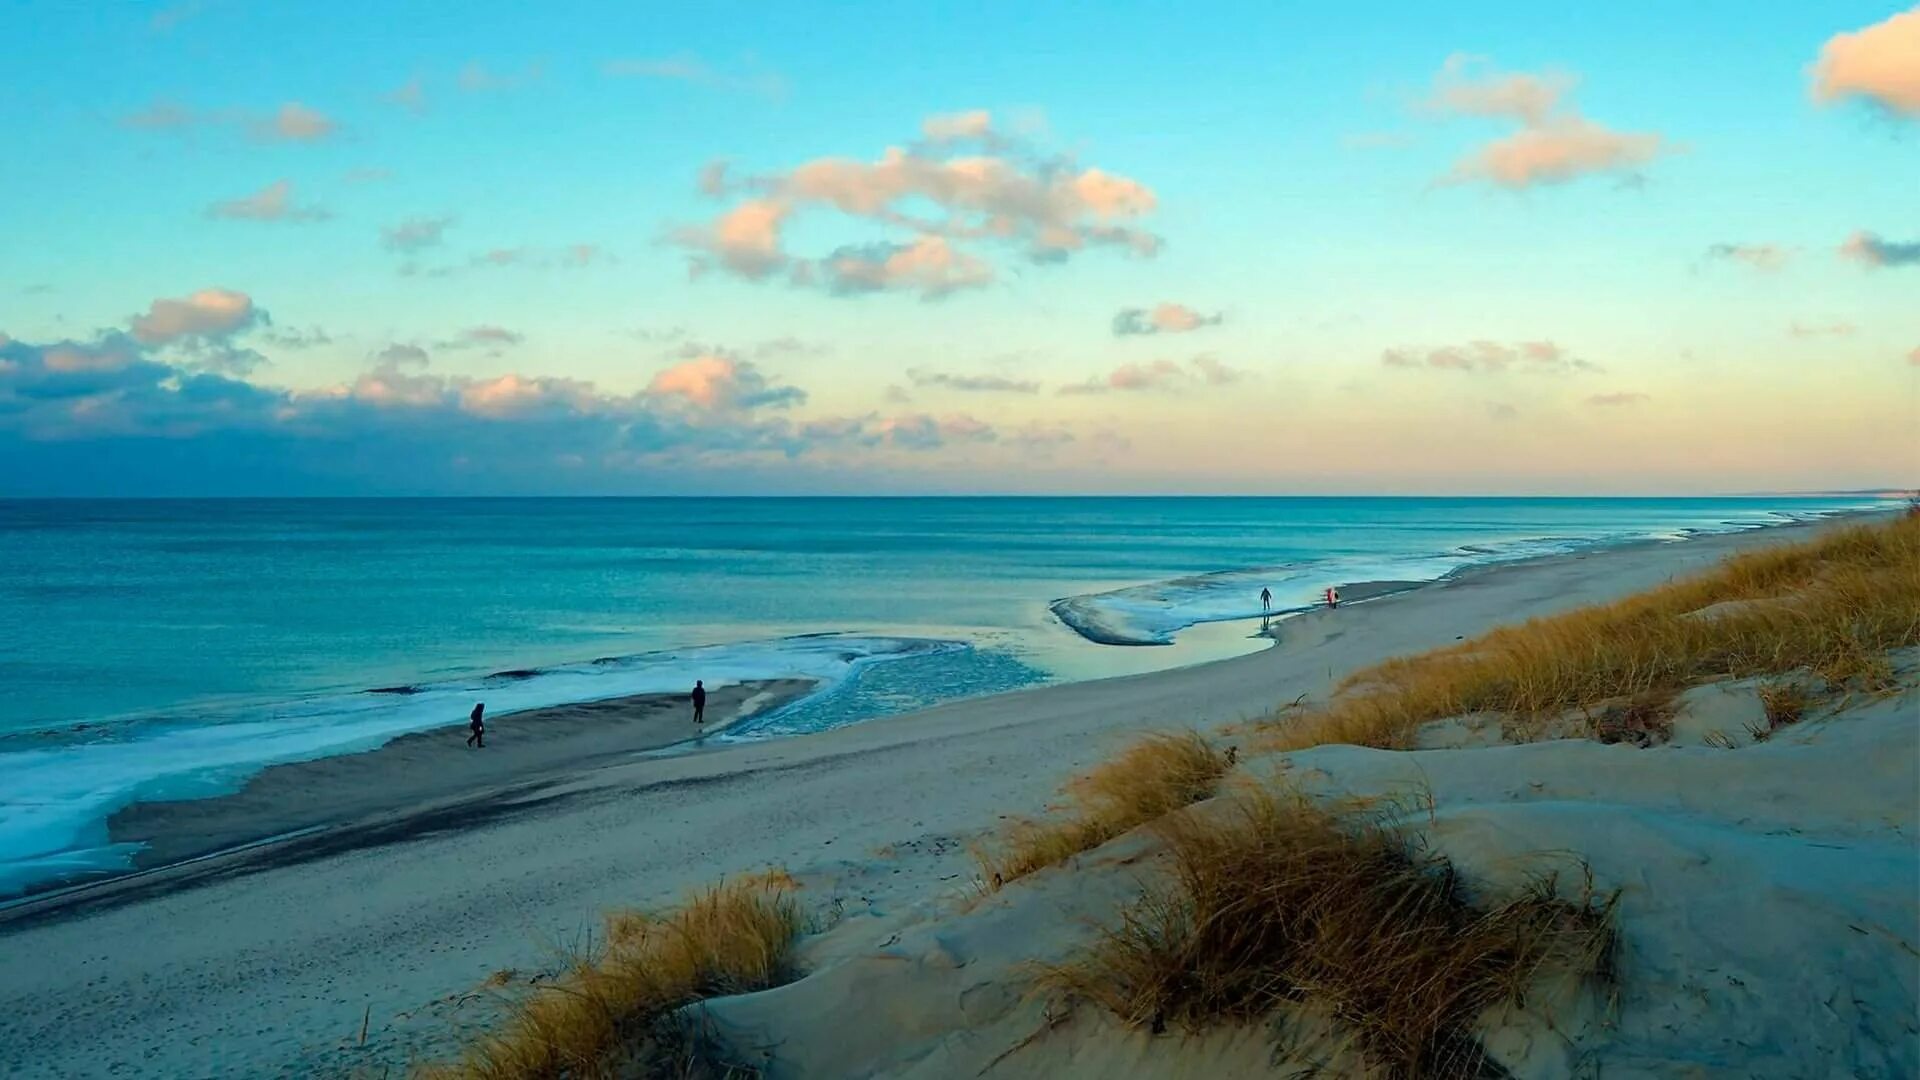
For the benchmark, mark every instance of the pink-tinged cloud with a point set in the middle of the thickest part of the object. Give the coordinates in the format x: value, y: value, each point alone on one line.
x: 1617, y: 399
x: 976, y: 124
x: 1767, y: 257
x: 1160, y: 375
x: 294, y: 122
x: 206, y: 313
x: 1166, y: 318
x: 1554, y: 143
x: 1914, y: 357
x: 1879, y: 64
x: 1869, y: 250
x: 1562, y: 149
x: 1048, y: 209
x: 1545, y: 357
x: 1518, y: 96
x: 514, y: 395
x: 720, y: 382
x: 271, y: 203
x: 745, y: 240
x: 929, y: 266
x: 410, y: 95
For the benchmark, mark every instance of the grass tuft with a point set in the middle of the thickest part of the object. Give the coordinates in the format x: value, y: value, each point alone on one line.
x: 1834, y: 606
x: 1155, y: 776
x: 1283, y: 901
x: 613, y: 1013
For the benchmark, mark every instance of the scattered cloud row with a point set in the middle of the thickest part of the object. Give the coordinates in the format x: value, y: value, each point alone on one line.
x: 1539, y: 357
x: 1165, y: 318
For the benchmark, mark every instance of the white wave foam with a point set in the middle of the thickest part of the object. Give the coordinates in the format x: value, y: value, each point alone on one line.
x: 1151, y: 614
x: 57, y: 799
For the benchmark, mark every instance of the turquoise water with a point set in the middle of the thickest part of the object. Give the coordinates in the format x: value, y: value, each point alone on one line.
x: 168, y: 649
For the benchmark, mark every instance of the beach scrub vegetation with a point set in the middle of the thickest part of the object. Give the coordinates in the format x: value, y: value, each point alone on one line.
x: 1277, y: 902
x: 1151, y: 778
x: 615, y: 1012
x: 1832, y: 608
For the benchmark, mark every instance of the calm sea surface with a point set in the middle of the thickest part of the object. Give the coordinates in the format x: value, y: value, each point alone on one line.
x: 164, y: 649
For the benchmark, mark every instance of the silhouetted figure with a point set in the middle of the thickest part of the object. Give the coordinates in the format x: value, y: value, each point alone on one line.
x: 1266, y: 600
x: 478, y: 725
x: 699, y: 702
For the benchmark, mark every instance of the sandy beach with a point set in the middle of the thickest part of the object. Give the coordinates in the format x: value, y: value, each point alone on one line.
x: 420, y: 870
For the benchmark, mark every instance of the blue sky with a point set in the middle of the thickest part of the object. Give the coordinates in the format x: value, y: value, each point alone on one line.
x: 1652, y: 290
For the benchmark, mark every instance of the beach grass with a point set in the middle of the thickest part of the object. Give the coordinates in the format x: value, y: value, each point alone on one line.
x: 1278, y: 900
x: 614, y: 1012
x: 1153, y: 777
x: 1832, y: 607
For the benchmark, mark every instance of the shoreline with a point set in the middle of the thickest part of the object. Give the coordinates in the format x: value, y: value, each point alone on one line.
x: 422, y: 771
x: 289, y: 804
x: 388, y: 920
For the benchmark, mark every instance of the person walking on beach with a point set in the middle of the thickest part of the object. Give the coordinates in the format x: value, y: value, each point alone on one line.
x: 699, y: 702
x: 1333, y: 597
x: 478, y: 726
x: 1266, y: 599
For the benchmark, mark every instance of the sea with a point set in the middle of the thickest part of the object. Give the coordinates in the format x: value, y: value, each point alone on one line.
x: 170, y: 649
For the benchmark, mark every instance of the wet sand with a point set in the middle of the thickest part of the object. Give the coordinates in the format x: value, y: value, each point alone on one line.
x: 435, y: 769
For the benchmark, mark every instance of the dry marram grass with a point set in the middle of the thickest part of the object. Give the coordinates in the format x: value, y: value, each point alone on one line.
x: 1155, y: 776
x: 1834, y: 606
x: 1278, y: 900
x: 612, y: 1013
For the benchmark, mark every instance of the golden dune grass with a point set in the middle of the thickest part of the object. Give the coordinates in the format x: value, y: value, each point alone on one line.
x: 611, y: 1014
x: 1277, y: 899
x: 1833, y: 606
x: 1156, y: 775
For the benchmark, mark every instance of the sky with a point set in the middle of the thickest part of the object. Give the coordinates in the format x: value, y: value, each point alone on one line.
x: 260, y: 247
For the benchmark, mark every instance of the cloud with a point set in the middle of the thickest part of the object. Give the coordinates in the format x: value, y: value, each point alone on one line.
x: 1047, y: 208
x: 415, y: 234
x: 271, y: 203
x: 929, y: 266
x: 290, y: 337
x: 476, y: 78
x: 162, y: 115
x: 410, y: 95
x: 921, y: 431
x: 1880, y: 64
x: 1160, y: 375
x: 1543, y: 357
x: 1914, y: 357
x: 1621, y: 398
x: 207, y: 313
x: 399, y: 355
x: 745, y: 240
x: 974, y: 124
x: 1554, y: 143
x: 294, y: 122
x: 987, y: 384
x: 718, y: 381
x: 484, y: 337
x: 585, y: 255
x: 693, y: 70
x: 1767, y: 257
x: 1165, y: 318
x: 713, y: 178
x: 1834, y: 329
x: 1869, y: 250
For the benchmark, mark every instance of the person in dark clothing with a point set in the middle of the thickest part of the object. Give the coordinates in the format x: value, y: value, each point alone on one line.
x: 478, y: 726
x: 699, y: 702
x: 1266, y: 600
